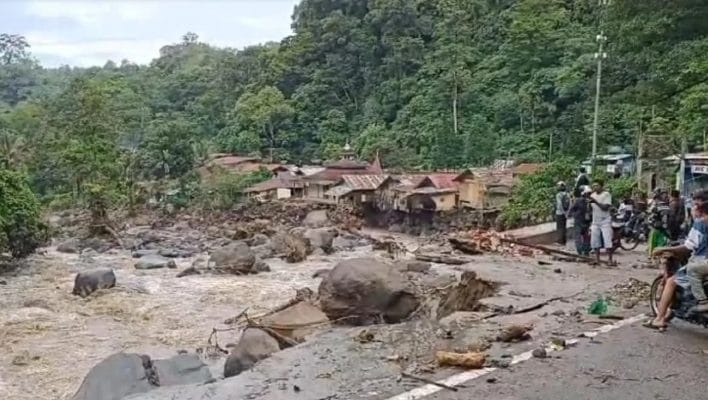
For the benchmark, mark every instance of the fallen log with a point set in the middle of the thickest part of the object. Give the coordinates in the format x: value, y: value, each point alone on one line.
x: 464, y: 246
x: 463, y: 360
x: 548, y: 250
x: 440, y: 259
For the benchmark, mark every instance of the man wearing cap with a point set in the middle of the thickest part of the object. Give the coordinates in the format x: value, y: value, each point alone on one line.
x: 562, y: 205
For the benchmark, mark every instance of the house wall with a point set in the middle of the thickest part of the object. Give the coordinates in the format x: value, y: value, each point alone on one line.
x: 472, y: 194
x: 283, y: 193
x: 444, y: 201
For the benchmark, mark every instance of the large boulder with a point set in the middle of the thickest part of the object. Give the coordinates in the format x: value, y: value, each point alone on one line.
x: 122, y: 374
x: 316, y: 219
x: 321, y: 238
x: 70, y: 246
x: 291, y: 246
x: 153, y: 261
x: 255, y: 345
x: 88, y: 282
x: 236, y: 258
x: 364, y: 291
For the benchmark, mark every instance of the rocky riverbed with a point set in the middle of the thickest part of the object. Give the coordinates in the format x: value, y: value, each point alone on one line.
x: 51, y: 338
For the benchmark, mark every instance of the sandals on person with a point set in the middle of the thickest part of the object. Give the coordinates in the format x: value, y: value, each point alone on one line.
x: 650, y: 324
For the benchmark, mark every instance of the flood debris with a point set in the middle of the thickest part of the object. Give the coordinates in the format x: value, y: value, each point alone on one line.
x: 428, y: 381
x: 465, y: 295
x: 470, y: 360
x: 515, y: 333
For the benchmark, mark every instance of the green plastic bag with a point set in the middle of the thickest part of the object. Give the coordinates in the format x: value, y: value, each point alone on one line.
x: 598, y: 307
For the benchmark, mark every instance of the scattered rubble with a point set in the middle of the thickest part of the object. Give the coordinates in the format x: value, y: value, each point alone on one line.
x: 463, y: 360
x: 515, y: 333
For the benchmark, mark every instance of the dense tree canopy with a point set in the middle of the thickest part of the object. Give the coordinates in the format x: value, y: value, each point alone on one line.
x: 428, y: 84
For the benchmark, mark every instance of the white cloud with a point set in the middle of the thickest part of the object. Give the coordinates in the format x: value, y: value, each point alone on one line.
x: 89, y: 32
x: 95, y: 52
x: 93, y: 12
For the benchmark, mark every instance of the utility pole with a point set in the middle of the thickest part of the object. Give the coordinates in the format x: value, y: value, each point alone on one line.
x: 600, y: 55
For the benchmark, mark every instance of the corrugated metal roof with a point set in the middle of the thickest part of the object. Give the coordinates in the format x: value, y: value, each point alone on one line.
x: 275, y: 183
x: 364, y: 182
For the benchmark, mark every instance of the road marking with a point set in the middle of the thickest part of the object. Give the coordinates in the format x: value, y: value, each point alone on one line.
x: 427, y: 390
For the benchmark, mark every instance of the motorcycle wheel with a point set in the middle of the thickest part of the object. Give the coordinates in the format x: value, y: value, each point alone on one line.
x: 629, y: 242
x: 655, y: 294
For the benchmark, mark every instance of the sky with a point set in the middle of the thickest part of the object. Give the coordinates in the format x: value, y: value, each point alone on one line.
x: 90, y: 32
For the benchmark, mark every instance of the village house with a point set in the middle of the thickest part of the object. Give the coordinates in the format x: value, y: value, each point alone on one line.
x: 284, y: 185
x: 317, y: 186
x: 357, y: 189
x: 409, y: 193
x: 485, y: 189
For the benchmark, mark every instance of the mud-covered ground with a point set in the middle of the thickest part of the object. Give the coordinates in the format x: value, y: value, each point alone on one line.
x: 50, y: 338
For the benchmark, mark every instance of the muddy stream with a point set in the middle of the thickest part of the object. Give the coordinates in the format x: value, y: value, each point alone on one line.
x: 50, y: 338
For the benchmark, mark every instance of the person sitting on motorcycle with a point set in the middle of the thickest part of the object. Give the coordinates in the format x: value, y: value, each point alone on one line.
x: 696, y: 242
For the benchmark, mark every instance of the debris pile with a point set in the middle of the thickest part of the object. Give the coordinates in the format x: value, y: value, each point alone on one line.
x: 491, y: 241
x: 632, y: 291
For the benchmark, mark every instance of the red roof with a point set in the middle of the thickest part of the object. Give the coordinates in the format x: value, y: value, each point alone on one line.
x: 443, y: 181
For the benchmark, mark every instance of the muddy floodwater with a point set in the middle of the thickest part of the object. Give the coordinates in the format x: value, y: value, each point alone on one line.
x: 50, y: 338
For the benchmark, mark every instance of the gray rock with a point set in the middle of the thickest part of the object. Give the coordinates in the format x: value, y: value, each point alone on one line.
x: 96, y: 244
x: 366, y: 288
x: 70, y: 246
x: 116, y: 377
x: 122, y: 375
x: 154, y: 262
x: 143, y: 253
x: 263, y: 250
x: 321, y: 238
x: 236, y: 258
x: 414, y: 266
x: 188, y: 271
x: 316, y: 219
x: 254, y: 345
x: 88, y: 282
x: 261, y: 266
x: 258, y: 239
x: 183, y: 369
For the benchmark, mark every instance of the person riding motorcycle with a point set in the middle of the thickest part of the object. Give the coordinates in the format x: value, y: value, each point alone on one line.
x: 697, y: 243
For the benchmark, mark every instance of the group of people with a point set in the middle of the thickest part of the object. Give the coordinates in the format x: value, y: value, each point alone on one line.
x: 590, y: 209
x: 693, y: 274
x: 590, y: 206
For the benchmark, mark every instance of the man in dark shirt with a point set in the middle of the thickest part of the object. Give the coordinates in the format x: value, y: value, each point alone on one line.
x: 580, y: 182
x: 580, y: 211
x: 677, y: 215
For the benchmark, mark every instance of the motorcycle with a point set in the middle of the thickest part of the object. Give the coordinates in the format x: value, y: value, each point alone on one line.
x: 683, y: 302
x: 628, y: 230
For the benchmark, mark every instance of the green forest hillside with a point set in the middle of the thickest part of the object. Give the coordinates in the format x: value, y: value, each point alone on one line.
x: 429, y: 84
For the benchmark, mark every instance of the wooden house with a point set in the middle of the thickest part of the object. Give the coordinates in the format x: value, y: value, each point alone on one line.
x: 411, y: 193
x: 357, y: 189
x: 485, y: 188
x: 284, y: 186
x: 317, y: 186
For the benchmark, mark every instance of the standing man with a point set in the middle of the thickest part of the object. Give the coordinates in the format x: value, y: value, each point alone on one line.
x: 562, y: 207
x: 601, y: 226
x: 580, y: 210
x: 581, y: 181
x: 677, y: 215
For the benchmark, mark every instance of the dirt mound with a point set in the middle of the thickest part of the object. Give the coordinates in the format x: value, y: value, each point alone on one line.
x: 630, y: 292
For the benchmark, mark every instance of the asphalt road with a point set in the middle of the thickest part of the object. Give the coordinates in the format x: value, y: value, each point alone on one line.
x: 629, y: 363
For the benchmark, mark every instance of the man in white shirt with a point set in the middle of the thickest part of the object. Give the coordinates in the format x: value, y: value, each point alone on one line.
x: 601, y: 226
